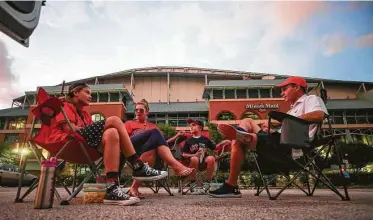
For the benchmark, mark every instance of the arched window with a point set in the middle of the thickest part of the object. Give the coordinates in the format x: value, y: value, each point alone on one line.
x: 251, y: 115
x: 225, y: 116
x: 97, y: 117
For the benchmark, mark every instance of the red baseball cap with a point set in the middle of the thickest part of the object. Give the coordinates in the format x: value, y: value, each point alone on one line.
x: 297, y: 80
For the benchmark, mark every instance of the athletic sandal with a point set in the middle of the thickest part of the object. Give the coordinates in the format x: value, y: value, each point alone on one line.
x: 185, y: 173
x: 136, y: 194
x: 232, y: 133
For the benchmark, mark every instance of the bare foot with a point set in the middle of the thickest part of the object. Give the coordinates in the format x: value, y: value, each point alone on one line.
x: 183, y: 171
x: 136, y: 193
x: 232, y: 133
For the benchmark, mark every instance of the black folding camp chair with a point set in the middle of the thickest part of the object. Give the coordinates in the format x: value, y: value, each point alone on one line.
x: 47, y: 108
x: 295, y: 135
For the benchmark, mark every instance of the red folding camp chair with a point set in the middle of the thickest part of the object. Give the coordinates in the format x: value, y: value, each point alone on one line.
x: 74, y: 151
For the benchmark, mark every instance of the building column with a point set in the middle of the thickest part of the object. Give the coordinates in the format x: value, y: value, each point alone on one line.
x: 24, y: 102
x: 6, y: 124
x: 132, y: 84
x: 348, y: 136
x: 168, y: 88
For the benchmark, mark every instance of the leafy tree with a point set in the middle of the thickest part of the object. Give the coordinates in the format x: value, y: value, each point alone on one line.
x: 3, y: 148
x: 7, y: 156
x: 214, y: 134
x: 167, y: 130
x: 358, y: 155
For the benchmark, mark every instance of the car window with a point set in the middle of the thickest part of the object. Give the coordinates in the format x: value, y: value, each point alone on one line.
x: 8, y: 167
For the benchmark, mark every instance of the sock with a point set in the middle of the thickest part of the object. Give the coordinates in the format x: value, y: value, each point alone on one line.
x: 135, y: 161
x: 112, y: 177
x: 230, y: 186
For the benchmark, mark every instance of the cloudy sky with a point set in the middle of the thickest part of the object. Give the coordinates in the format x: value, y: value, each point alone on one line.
x: 81, y: 39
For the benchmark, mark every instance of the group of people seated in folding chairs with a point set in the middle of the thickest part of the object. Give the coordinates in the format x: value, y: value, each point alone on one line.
x: 139, y: 142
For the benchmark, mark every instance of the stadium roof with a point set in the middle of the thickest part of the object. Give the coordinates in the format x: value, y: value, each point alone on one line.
x: 13, y: 112
x: 174, y: 107
x: 201, y: 72
x: 94, y: 88
x: 247, y: 83
x: 346, y: 104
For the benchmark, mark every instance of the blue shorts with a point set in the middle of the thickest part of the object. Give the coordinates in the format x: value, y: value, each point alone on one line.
x: 147, y: 140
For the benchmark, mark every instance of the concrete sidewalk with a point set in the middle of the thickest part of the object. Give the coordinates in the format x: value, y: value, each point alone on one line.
x: 292, y: 205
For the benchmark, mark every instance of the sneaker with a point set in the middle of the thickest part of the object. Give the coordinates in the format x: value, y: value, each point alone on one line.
x: 115, y: 196
x: 231, y: 133
x: 146, y: 173
x: 198, y: 191
x: 226, y: 191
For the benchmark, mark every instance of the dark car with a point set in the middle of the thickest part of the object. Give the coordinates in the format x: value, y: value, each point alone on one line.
x: 9, y: 175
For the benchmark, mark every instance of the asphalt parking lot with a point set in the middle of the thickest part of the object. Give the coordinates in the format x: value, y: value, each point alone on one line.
x: 292, y: 205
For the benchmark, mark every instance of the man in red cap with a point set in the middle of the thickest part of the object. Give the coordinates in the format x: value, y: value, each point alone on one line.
x: 248, y: 134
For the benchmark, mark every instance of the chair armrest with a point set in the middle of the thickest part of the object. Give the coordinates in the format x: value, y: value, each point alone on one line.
x: 280, y: 116
x: 294, y: 130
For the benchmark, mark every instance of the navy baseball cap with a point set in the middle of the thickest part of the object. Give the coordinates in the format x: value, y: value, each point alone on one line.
x: 198, y: 122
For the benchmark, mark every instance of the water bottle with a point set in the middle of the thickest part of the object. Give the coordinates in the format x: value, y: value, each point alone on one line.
x: 202, y: 155
x: 346, y: 174
x: 45, y: 192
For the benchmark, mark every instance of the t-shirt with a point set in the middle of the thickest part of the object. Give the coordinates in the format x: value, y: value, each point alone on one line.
x: 193, y: 144
x: 134, y: 127
x: 307, y: 104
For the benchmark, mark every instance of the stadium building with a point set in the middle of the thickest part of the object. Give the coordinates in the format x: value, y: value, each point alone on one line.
x: 211, y: 95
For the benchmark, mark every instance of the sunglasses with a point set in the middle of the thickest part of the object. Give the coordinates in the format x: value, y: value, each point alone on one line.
x: 141, y: 110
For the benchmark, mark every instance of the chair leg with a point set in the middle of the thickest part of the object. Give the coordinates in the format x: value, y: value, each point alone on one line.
x: 179, y: 184
x: 263, y: 181
x: 75, y: 174
x: 20, y: 181
x: 260, y: 190
x: 164, y: 184
x: 300, y: 188
x: 77, y: 190
x: 307, y: 178
x: 319, y: 176
x: 339, y: 156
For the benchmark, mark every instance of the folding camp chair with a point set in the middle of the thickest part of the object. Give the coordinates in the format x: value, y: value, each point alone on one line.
x: 48, y: 108
x: 294, y: 135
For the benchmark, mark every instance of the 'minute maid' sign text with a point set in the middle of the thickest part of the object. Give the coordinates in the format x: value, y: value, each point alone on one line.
x: 262, y: 106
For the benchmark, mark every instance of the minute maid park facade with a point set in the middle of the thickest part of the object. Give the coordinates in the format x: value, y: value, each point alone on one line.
x: 211, y: 95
